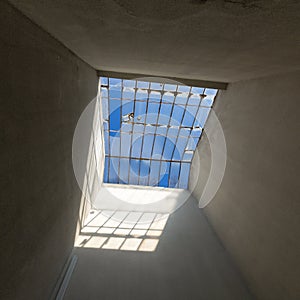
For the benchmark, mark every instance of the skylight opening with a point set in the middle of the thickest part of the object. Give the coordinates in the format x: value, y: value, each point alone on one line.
x: 151, y: 130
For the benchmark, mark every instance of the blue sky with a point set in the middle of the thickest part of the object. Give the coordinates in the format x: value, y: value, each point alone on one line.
x: 156, y: 146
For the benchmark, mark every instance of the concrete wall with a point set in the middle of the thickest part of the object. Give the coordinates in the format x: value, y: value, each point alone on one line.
x: 256, y: 210
x: 218, y: 40
x: 43, y: 89
x: 189, y: 263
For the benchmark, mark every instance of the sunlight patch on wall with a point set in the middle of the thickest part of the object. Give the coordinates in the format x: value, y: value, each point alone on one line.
x: 122, y: 230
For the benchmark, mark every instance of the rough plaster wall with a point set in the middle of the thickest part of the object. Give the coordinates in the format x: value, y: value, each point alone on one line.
x: 189, y: 263
x: 43, y: 89
x: 219, y: 40
x: 256, y: 210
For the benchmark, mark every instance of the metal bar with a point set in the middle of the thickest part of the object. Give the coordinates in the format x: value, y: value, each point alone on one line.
x: 143, y: 134
x: 158, y: 134
x: 137, y: 100
x: 169, y: 126
x: 158, y: 125
x: 147, y: 159
x: 187, y: 141
x: 179, y: 130
x: 130, y: 144
x: 108, y: 138
x: 193, y: 126
x: 199, y: 108
x: 155, y: 134
x: 164, y: 79
x: 202, y: 128
x: 158, y: 114
x: 177, y: 185
x: 120, y: 131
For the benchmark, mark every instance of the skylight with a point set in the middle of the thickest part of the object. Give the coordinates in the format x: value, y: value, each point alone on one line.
x: 151, y: 130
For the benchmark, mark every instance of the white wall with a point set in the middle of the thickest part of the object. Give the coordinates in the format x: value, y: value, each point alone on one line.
x: 140, y: 198
x: 88, y: 156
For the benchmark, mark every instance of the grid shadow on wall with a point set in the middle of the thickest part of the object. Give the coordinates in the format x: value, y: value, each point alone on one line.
x: 122, y: 230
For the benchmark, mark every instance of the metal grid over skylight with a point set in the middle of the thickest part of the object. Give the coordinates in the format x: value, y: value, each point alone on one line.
x: 151, y: 130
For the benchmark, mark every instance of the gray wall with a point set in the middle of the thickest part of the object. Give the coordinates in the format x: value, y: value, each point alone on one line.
x: 43, y: 90
x: 219, y: 40
x: 256, y: 210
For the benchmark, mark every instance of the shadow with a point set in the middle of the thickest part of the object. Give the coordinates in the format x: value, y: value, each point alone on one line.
x: 184, y: 261
x: 122, y: 230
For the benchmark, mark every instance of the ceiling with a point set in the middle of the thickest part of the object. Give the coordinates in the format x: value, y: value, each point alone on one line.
x: 217, y: 40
